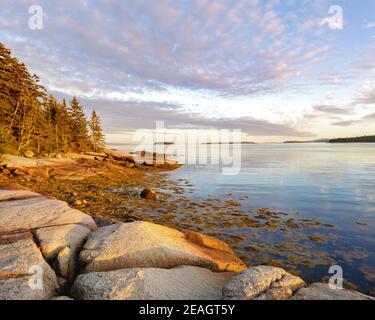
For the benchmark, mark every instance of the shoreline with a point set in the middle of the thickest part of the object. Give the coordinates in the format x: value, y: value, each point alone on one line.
x: 79, y: 260
x: 111, y: 193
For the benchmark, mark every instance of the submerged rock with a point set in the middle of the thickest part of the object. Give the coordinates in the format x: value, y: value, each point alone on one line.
x: 182, y: 283
x: 145, y: 245
x: 149, y: 194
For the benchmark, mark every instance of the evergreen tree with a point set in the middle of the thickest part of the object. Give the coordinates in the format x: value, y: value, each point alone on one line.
x: 58, y: 125
x: 97, y: 136
x: 64, y: 123
x: 31, y: 120
x: 20, y: 99
x: 78, y: 122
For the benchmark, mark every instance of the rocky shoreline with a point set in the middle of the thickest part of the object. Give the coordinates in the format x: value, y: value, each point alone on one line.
x: 74, y: 259
x: 91, y: 256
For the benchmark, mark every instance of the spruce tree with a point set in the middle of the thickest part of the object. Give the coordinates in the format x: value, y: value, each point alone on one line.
x: 78, y: 122
x: 97, y: 136
x: 20, y: 102
x: 31, y: 120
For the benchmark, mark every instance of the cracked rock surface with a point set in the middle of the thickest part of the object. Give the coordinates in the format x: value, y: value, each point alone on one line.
x: 20, y: 262
x: 147, y: 245
x: 40, y: 239
x: 263, y: 283
x: 60, y: 246
x: 181, y: 283
x: 40, y: 212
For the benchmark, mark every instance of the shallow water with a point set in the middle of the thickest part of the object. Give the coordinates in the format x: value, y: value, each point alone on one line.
x: 334, y: 183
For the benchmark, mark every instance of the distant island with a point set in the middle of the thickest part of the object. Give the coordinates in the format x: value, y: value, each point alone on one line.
x: 243, y: 142
x: 310, y: 141
x: 363, y: 139
x: 353, y: 140
x: 164, y: 143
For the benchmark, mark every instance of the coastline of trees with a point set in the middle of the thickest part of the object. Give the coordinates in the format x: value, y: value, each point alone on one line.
x: 30, y: 119
x: 353, y: 140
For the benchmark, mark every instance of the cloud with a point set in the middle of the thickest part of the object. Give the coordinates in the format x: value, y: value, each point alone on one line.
x: 370, y: 116
x: 332, y: 109
x: 369, y: 24
x: 366, y: 97
x: 346, y: 123
x: 232, y: 48
x: 99, y: 50
x: 130, y: 115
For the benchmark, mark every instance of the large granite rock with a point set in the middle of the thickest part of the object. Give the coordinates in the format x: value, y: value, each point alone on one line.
x: 18, y: 263
x: 263, y: 283
x: 35, y: 213
x: 96, y: 154
x: 146, y: 245
x: 55, y: 162
x: 76, y: 156
x: 322, y: 291
x: 15, y: 162
x: 182, y: 283
x: 9, y: 195
x: 60, y: 246
x: 60, y: 230
x: 207, y: 241
x: 120, y: 155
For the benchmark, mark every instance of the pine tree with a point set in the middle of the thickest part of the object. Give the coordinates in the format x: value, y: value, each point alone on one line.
x: 58, y: 125
x: 8, y: 94
x: 97, y: 136
x: 63, y: 121
x: 20, y: 96
x: 78, y: 122
x: 31, y: 120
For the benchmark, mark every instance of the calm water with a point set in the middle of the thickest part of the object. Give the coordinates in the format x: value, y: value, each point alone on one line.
x: 331, y: 182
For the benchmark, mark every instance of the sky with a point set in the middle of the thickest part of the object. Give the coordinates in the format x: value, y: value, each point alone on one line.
x: 276, y: 70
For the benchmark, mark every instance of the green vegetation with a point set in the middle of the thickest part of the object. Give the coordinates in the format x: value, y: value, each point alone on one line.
x: 353, y: 140
x: 30, y: 119
x: 97, y: 136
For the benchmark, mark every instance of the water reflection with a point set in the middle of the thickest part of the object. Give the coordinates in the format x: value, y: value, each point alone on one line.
x: 332, y: 182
